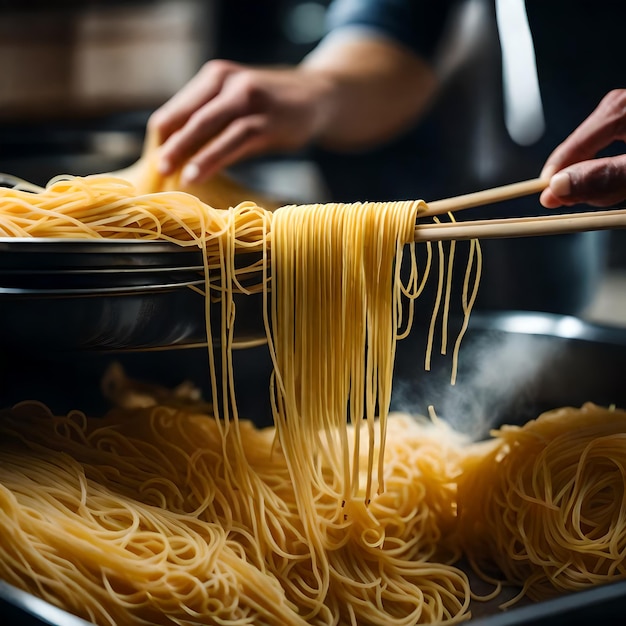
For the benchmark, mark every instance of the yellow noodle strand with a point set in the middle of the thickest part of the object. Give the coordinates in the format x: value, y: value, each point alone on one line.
x: 167, y: 517
x: 546, y: 502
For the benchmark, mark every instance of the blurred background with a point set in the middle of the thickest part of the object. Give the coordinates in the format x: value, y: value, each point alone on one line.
x: 79, y: 78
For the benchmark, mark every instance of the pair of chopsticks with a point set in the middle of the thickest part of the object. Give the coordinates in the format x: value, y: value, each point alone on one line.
x: 510, y: 227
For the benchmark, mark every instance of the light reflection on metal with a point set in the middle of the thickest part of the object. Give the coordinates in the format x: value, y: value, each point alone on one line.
x: 544, y: 324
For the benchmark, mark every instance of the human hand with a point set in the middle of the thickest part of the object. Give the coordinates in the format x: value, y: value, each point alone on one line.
x: 575, y: 175
x: 229, y: 112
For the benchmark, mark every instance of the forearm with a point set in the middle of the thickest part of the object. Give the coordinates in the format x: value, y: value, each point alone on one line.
x: 347, y: 95
x: 371, y: 90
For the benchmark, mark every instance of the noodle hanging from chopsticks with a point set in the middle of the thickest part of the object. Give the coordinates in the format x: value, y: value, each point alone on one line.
x: 333, y: 294
x: 341, y: 513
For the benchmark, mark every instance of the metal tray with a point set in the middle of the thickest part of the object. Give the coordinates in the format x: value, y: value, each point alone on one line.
x: 38, y: 253
x: 512, y: 367
x: 105, y: 278
x: 117, y: 318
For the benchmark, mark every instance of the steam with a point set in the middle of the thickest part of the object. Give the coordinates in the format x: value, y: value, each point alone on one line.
x: 497, y: 383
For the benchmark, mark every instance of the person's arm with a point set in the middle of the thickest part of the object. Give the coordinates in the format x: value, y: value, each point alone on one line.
x: 348, y: 94
x: 379, y: 89
x: 575, y: 175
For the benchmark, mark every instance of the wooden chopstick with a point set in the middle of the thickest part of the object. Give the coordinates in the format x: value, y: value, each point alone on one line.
x: 487, y: 196
x: 522, y: 227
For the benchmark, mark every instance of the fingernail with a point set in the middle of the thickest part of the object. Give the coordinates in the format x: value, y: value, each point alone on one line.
x: 560, y: 184
x: 548, y: 171
x: 164, y: 166
x: 190, y: 172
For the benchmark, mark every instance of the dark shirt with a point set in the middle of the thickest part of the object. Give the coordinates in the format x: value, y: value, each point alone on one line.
x: 462, y: 144
x: 417, y: 24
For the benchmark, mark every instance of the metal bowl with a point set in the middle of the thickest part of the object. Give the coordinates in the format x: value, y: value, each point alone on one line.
x: 65, y: 254
x: 117, y: 318
x: 61, y: 294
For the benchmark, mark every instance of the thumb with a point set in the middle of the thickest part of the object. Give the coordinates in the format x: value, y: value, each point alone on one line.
x: 598, y: 182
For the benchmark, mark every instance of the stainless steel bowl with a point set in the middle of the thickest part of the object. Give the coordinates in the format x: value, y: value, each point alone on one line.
x: 131, y: 318
x: 64, y: 254
x: 61, y: 294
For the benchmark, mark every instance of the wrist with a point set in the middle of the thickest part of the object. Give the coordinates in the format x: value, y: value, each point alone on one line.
x: 321, y: 91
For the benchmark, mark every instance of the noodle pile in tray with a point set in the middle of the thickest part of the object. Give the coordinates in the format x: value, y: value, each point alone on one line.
x: 340, y: 513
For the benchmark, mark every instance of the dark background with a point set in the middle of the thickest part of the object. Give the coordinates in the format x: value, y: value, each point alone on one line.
x: 53, y: 120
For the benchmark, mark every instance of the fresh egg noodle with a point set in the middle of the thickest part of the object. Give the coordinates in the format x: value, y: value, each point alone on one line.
x: 340, y: 513
x: 546, y: 502
x: 134, y: 519
x: 335, y: 266
x: 315, y: 511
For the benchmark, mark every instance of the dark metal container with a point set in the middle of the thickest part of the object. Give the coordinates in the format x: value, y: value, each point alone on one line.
x: 512, y: 367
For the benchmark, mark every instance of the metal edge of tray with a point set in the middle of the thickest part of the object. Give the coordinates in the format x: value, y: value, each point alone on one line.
x: 605, y: 603
x: 99, y: 271
x: 33, y: 610
x: 16, y: 292
x: 101, y: 246
x: 33, y: 254
x: 548, y: 324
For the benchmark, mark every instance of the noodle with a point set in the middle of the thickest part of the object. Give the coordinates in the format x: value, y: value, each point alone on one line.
x: 183, y: 513
x: 546, y: 502
x: 342, y: 268
x: 303, y: 510
x: 132, y: 518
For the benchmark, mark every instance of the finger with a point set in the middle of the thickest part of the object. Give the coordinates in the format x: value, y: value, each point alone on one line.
x: 607, y: 123
x: 202, y: 88
x: 238, y: 98
x: 201, y: 128
x: 599, y: 182
x: 549, y: 200
x: 244, y: 138
x: 234, y: 101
